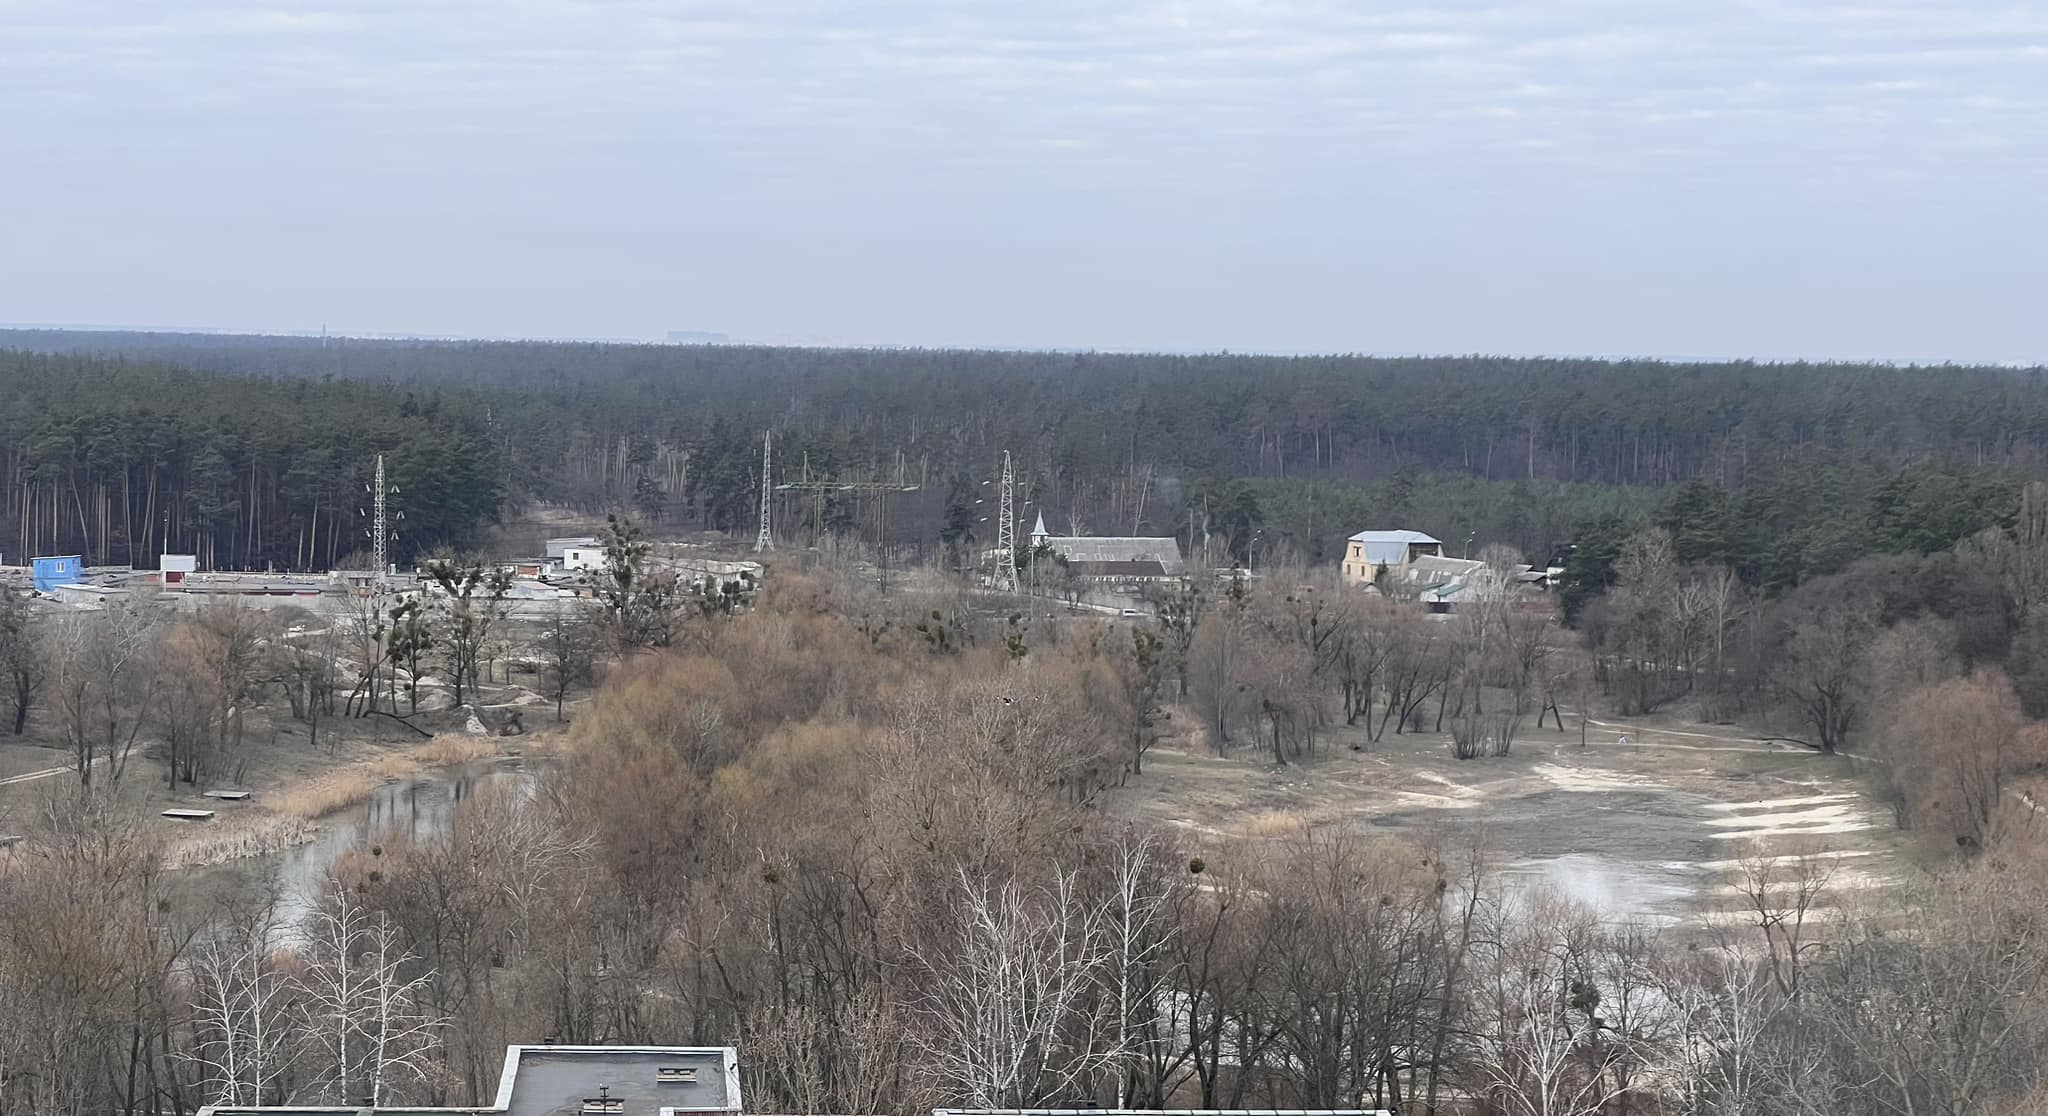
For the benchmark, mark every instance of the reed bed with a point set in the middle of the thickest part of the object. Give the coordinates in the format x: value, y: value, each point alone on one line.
x: 330, y: 791
x: 289, y: 817
x: 451, y: 748
x: 239, y: 839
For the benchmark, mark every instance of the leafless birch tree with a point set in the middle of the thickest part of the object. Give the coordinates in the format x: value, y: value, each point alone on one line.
x: 242, y: 1024
x: 1014, y: 1017
x: 361, y: 1007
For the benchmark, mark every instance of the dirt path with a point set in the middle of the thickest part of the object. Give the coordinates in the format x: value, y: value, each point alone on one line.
x: 1640, y: 735
x: 46, y: 773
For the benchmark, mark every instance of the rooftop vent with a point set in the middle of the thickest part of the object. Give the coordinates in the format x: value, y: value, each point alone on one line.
x: 676, y: 1075
x: 603, y: 1104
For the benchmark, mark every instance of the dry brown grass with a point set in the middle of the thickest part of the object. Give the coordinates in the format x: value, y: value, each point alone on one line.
x: 247, y: 836
x: 549, y: 745
x: 290, y: 816
x: 1277, y: 823
x: 330, y: 791
x: 451, y: 748
x: 345, y: 786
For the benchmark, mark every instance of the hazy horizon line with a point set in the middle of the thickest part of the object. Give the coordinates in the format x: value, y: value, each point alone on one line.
x: 740, y: 342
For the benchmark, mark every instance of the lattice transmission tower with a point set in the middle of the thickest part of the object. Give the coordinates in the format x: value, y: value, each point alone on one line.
x: 1006, y: 531
x: 381, y: 517
x: 765, y: 540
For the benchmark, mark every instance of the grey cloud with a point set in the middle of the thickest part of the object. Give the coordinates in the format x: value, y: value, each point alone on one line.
x: 752, y: 163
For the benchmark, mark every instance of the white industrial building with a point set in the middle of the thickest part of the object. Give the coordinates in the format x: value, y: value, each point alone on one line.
x: 1112, y: 558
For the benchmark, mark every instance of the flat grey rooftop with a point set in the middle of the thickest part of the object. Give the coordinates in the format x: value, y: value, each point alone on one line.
x: 557, y: 1081
x: 580, y: 1081
x: 1161, y: 1112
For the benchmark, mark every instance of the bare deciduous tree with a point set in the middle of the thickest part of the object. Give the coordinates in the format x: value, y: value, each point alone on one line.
x: 1545, y: 1047
x: 1014, y: 1015
x: 1952, y: 748
x: 1138, y: 933
x: 359, y: 995
x: 1216, y: 662
x: 470, y: 603
x: 243, y: 1029
x: 569, y: 646
x: 21, y: 656
x: 1781, y: 896
x: 1821, y: 672
x: 215, y: 658
x: 1724, y: 1007
x: 104, y: 675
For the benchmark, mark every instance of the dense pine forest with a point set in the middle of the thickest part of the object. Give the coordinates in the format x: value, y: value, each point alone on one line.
x: 120, y: 461
x: 252, y: 450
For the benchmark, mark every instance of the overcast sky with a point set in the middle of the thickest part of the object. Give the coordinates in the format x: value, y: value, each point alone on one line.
x: 1777, y: 179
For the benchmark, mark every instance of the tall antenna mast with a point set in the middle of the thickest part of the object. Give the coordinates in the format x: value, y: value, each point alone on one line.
x: 766, y: 539
x: 380, y: 535
x: 1006, y: 532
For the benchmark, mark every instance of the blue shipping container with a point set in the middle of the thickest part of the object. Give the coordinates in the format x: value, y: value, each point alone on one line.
x: 52, y: 572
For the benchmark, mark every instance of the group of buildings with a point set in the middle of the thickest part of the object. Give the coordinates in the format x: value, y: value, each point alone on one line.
x: 570, y: 569
x: 1409, y: 564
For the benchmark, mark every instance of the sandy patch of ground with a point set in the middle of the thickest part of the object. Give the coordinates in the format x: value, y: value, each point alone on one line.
x: 1804, y: 816
x: 1781, y: 862
x: 1658, y: 826
x: 1778, y: 803
x: 1578, y: 778
x: 1453, y: 796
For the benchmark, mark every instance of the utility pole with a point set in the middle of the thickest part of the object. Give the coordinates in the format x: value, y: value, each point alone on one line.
x: 765, y: 540
x: 1006, y: 531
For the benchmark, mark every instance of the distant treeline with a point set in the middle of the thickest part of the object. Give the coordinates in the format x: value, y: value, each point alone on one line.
x: 123, y: 461
x: 1795, y: 462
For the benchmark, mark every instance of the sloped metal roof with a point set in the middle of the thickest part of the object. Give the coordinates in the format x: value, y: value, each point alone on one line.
x: 1438, y: 569
x: 1086, y: 548
x: 1383, y: 547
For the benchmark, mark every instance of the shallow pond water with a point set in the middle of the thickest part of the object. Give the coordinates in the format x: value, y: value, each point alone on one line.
x: 1625, y: 853
x: 415, y: 808
x: 1616, y: 889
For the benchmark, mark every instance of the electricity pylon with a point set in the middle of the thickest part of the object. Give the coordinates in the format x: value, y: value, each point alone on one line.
x: 1006, y: 532
x: 765, y: 540
x: 381, y: 532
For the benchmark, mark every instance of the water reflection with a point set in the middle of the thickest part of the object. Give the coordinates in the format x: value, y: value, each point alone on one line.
x: 412, y: 809
x: 1613, y: 889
